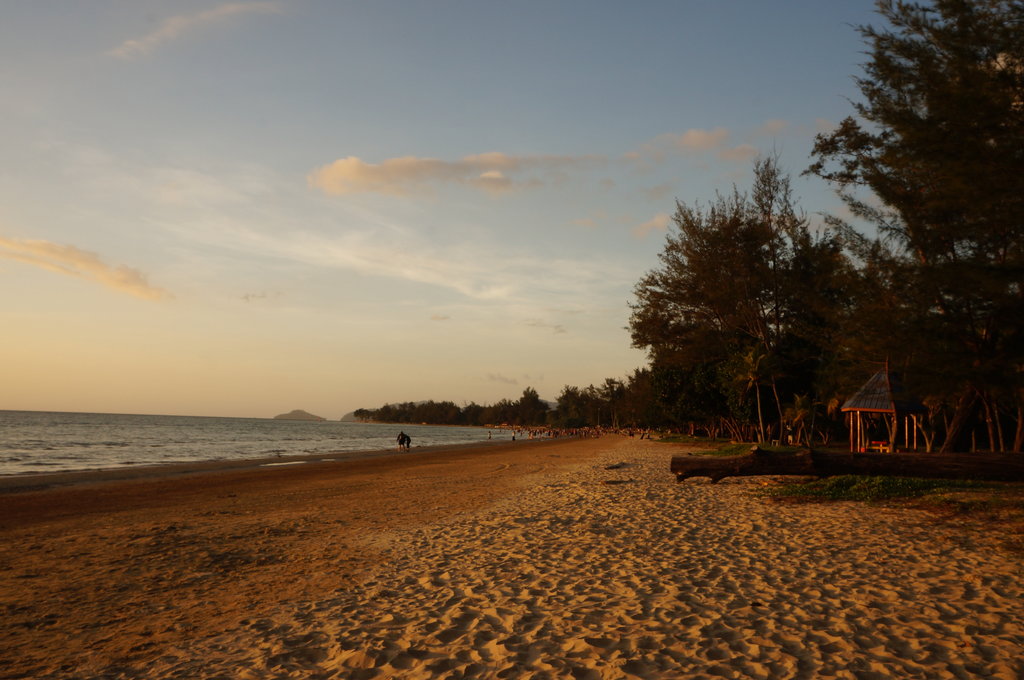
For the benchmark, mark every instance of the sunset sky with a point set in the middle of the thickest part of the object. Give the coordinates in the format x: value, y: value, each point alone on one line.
x: 244, y: 208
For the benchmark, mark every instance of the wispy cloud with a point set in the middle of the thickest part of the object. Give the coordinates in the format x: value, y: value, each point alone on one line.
x: 493, y: 172
x: 538, y: 323
x: 659, y: 192
x: 591, y: 221
x: 699, y: 141
x: 65, y: 259
x: 741, y: 153
x: 773, y: 127
x: 175, y: 27
x: 249, y: 215
x: 504, y: 380
x: 823, y: 125
x: 262, y: 295
x: 659, y: 222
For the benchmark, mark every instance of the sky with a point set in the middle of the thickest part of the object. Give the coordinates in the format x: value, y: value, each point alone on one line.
x: 244, y: 208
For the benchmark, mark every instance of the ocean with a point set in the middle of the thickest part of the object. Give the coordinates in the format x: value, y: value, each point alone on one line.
x: 36, y: 441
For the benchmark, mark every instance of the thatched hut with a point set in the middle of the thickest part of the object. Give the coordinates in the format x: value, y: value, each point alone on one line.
x: 880, y: 414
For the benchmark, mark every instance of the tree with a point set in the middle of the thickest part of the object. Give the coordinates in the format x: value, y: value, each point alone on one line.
x: 613, y: 393
x: 939, y: 140
x: 570, y: 409
x: 530, y: 409
x: 800, y: 418
x: 744, y: 276
x: 638, y: 407
x: 751, y: 377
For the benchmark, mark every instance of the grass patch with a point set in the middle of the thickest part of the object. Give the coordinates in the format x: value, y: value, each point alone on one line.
x: 971, y: 505
x: 723, y: 447
x: 861, y: 488
x: 687, y: 439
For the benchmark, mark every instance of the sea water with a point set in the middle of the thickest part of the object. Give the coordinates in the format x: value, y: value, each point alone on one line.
x: 35, y: 441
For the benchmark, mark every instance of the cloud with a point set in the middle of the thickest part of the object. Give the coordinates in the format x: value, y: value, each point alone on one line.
x: 700, y: 140
x: 659, y: 192
x: 174, y: 27
x: 72, y: 261
x: 493, y: 181
x: 490, y: 172
x: 262, y: 295
x: 659, y: 222
x: 691, y: 142
x: 823, y: 125
x: 439, y: 317
x: 494, y: 377
x: 772, y: 127
x: 537, y: 323
x: 743, y: 152
x: 591, y: 221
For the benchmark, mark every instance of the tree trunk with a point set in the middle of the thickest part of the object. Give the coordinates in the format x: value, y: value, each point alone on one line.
x: 964, y: 409
x: 778, y: 406
x: 992, y: 466
x: 1018, y: 439
x: 760, y: 419
x: 990, y: 423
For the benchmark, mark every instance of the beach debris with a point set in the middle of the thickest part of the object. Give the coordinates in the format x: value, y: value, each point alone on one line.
x: 616, y: 466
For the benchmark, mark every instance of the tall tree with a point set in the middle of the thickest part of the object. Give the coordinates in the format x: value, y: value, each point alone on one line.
x: 530, y: 409
x: 939, y: 140
x: 744, y: 276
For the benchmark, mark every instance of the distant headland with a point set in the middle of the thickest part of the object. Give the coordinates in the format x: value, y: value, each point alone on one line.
x: 298, y: 414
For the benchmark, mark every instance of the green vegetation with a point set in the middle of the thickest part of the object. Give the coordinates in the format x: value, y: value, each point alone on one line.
x: 528, y: 410
x: 716, y: 447
x: 860, y: 488
x: 615, y: 403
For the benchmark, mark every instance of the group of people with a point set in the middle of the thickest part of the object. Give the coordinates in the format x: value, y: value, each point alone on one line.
x: 404, y: 441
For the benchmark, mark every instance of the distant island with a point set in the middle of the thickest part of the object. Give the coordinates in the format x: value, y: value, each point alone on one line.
x: 298, y: 414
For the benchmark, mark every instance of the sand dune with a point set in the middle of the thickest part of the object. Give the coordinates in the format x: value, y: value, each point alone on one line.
x: 578, y: 571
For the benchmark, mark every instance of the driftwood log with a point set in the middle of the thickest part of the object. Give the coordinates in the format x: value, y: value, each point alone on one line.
x: 1001, y: 467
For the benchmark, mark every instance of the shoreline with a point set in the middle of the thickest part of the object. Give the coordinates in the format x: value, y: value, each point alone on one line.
x: 41, y: 480
x: 571, y: 558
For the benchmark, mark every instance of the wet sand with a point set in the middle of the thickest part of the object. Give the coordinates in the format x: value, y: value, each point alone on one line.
x: 508, y: 561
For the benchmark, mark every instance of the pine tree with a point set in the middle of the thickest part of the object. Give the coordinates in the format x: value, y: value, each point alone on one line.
x: 939, y: 140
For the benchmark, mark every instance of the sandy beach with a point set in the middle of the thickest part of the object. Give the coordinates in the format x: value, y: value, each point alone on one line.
x: 565, y: 559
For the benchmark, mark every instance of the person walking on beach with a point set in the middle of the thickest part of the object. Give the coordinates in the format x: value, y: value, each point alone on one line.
x: 403, y: 440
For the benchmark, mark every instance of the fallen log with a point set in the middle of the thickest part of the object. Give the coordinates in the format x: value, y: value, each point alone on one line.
x: 1001, y: 467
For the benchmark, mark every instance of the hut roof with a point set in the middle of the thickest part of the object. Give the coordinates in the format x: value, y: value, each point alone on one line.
x: 882, y: 393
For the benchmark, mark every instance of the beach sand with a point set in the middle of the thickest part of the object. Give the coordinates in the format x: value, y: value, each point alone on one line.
x: 532, y: 561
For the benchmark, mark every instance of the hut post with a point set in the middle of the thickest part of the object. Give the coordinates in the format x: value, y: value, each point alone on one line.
x: 860, y: 431
x: 849, y: 427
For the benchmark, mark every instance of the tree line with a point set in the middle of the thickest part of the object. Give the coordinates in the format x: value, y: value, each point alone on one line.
x: 528, y: 410
x: 612, y: 404
x: 758, y: 325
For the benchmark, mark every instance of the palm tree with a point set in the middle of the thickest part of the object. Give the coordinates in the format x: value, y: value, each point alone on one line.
x: 751, y: 376
x: 797, y: 416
